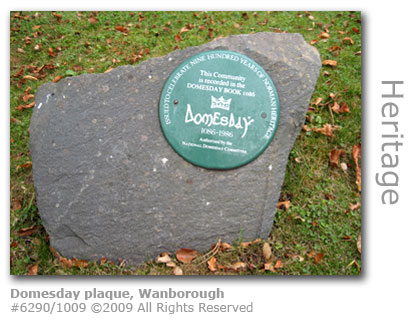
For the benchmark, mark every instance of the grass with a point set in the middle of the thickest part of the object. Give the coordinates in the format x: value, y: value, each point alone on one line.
x: 318, y: 232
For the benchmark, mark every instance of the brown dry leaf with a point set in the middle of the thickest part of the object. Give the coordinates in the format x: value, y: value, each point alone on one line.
x: 344, y: 167
x: 212, y: 264
x: 108, y: 70
x: 331, y: 63
x: 79, y: 263
x: 334, y: 156
x: 19, y: 73
x: 344, y: 107
x: 266, y: 251
x: 324, y: 35
x: 313, y: 41
x: 28, y: 77
x: 298, y: 257
x: 171, y: 264
x: 25, y: 232
x: 326, y: 130
x: 245, y: 245
x: 356, y: 154
x: 210, y: 33
x: 318, y: 257
x: 163, y: 258
x: 358, y: 53
x: 284, y: 204
x: 358, y: 243
x: 103, y: 261
x: 51, y: 52
x: 26, y: 165
x: 33, y: 270
x: 122, y: 29
x: 16, y: 204
x: 306, y: 128
x: 354, y: 206
x: 334, y: 48
x: 66, y: 262
x: 19, y: 50
x: 93, y: 20
x: 186, y: 255
x: 335, y: 107
x: 225, y: 246
x: 317, y: 102
x: 269, y: 267
x: 348, y: 40
x: 27, y: 97
x: 57, y: 16
x: 26, y: 106
x: 332, y: 95
x: 57, y: 78
x: 356, y: 30
x: 184, y: 29
x: 14, y: 120
x: 177, y: 271
x: 236, y: 25
x: 238, y: 266
x: 278, y: 265
x: 178, y: 38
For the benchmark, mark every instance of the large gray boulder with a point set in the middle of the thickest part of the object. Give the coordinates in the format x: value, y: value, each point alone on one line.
x: 108, y: 183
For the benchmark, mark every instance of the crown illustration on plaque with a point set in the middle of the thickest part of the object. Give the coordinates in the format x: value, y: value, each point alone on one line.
x: 220, y: 103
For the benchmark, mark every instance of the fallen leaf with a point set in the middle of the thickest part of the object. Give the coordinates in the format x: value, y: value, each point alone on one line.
x: 344, y: 107
x: 332, y: 95
x: 103, y: 261
x: 331, y: 63
x: 79, y: 263
x: 245, y: 245
x: 186, y: 255
x: 19, y: 73
x: 326, y: 73
x: 184, y: 29
x: 298, y: 257
x: 334, y: 156
x: 57, y: 78
x: 66, y: 262
x: 335, y: 107
x: 318, y: 257
x: 28, y: 77
x: 354, y: 206
x: 27, y: 97
x: 28, y: 164
x: 266, y: 251
x: 51, y: 52
x: 93, y: 20
x: 269, y: 267
x: 356, y: 30
x: 348, y: 40
x: 25, y: 232
x: 212, y: 264
x: 238, y: 266
x: 14, y: 120
x: 36, y: 27
x: 225, y: 246
x: 19, y: 50
x: 178, y: 38
x: 324, y: 35
x: 358, y: 53
x: 358, y: 243
x: 57, y: 16
x: 33, y: 270
x: 236, y: 25
x: 334, y: 48
x: 306, y: 128
x: 171, y: 264
x: 344, y: 167
x: 163, y: 258
x: 16, y: 204
x: 284, y: 204
x: 326, y: 130
x: 122, y: 29
x: 108, y: 70
x: 356, y: 154
x: 313, y: 41
x: 278, y: 265
x: 177, y: 271
x: 27, y: 106
x: 317, y: 102
x: 210, y: 33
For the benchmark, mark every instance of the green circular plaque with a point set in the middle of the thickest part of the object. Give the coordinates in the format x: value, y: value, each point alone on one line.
x: 219, y: 109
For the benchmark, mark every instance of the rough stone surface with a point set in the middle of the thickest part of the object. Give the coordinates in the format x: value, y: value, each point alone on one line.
x: 109, y: 185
